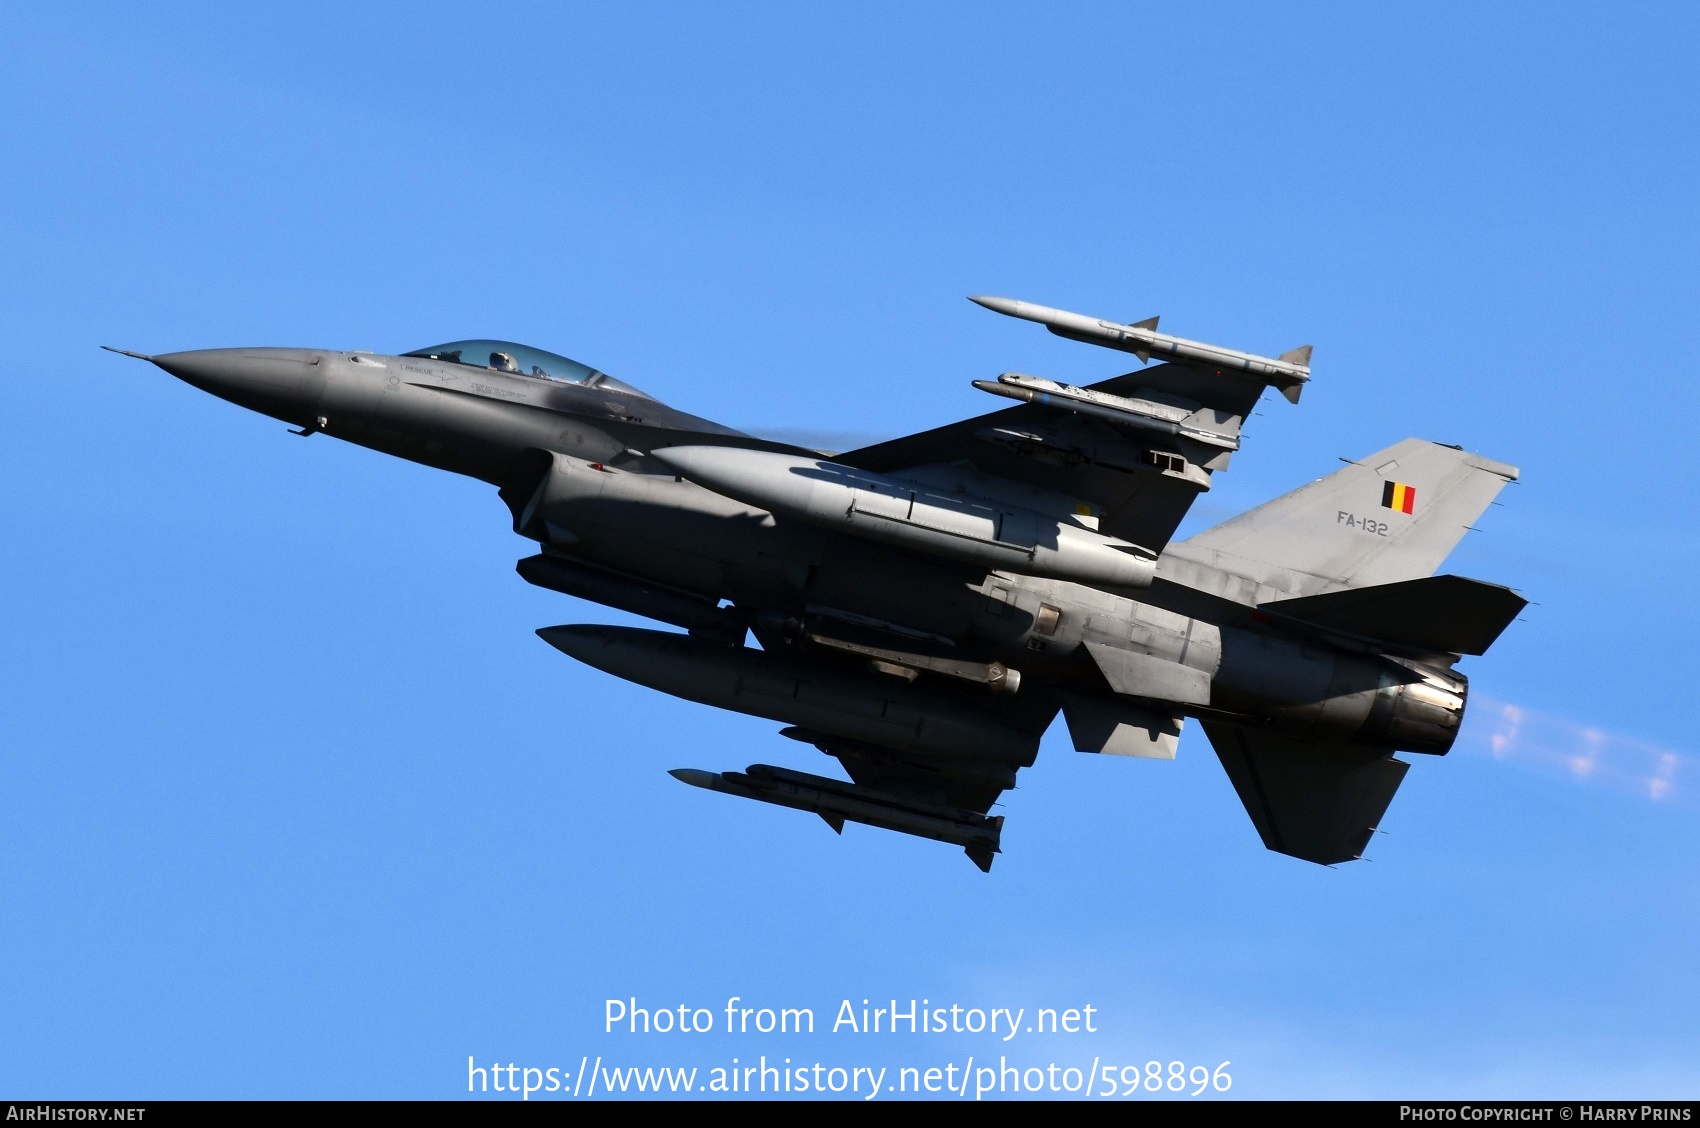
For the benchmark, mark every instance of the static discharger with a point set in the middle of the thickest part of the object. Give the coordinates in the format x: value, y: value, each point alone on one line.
x: 1288, y: 372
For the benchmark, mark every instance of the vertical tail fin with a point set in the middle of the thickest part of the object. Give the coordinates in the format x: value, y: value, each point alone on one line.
x: 1394, y: 516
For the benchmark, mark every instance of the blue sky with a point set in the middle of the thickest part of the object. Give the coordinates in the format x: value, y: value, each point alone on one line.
x: 292, y: 801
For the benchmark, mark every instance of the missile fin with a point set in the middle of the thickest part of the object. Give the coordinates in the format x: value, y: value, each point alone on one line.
x: 1300, y: 355
x: 982, y: 853
x: 834, y: 821
x: 1148, y: 323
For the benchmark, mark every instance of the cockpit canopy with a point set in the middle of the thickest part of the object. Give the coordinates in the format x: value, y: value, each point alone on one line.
x: 522, y: 360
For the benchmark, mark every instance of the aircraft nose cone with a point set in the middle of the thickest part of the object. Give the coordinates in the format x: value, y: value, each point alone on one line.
x: 204, y: 368
x: 217, y: 370
x: 285, y: 383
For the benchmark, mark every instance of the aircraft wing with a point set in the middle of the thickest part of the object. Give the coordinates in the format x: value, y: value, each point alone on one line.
x: 1315, y: 800
x: 1135, y: 449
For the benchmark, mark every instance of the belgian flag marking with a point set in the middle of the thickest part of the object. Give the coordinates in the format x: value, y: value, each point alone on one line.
x: 1397, y: 495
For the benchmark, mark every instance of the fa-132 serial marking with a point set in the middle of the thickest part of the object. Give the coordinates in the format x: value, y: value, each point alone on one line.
x: 925, y: 607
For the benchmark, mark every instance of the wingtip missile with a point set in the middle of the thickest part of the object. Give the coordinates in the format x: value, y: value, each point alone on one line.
x: 1288, y: 372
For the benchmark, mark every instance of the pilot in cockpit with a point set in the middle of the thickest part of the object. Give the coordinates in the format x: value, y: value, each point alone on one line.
x: 502, y: 362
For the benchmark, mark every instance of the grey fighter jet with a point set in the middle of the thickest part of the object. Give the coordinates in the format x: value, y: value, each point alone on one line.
x: 925, y: 607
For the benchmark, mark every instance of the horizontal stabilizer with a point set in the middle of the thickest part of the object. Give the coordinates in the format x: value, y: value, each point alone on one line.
x: 1444, y: 614
x: 1312, y: 800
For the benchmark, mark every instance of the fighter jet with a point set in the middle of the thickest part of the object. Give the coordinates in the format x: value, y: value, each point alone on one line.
x: 924, y: 608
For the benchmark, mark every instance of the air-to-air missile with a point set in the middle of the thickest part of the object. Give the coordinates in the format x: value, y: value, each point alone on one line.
x: 1288, y: 372
x: 838, y: 803
x: 926, y: 607
x: 1140, y: 414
